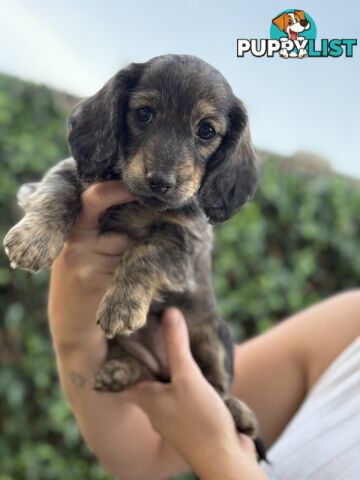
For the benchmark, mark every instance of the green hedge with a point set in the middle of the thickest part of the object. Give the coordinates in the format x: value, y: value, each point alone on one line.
x: 294, y: 245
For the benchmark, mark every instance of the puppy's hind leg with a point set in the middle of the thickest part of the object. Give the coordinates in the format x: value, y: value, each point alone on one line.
x: 51, y: 209
x: 245, y: 422
x: 212, y: 348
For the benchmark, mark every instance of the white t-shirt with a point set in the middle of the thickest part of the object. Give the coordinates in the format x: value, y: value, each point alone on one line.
x: 322, y: 441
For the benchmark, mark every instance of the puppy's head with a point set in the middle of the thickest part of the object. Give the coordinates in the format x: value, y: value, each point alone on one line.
x: 292, y: 23
x: 173, y: 130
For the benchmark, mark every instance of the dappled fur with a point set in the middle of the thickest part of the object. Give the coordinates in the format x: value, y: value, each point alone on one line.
x: 202, y: 181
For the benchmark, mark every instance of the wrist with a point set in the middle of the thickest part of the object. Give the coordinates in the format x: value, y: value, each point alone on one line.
x: 225, y: 458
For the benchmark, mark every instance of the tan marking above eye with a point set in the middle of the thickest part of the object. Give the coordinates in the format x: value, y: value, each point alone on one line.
x: 206, y: 112
x: 139, y: 99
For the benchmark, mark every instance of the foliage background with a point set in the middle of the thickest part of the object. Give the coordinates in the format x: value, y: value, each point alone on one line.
x: 297, y: 243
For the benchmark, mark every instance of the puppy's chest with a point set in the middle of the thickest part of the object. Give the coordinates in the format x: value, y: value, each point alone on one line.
x: 142, y: 224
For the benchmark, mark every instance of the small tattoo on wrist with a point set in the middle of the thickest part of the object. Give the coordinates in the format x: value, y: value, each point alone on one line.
x: 78, y: 380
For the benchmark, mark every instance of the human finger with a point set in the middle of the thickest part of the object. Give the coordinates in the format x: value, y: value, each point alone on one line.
x: 177, y: 344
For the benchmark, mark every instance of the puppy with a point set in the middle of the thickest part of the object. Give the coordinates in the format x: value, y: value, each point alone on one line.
x: 174, y: 132
x: 292, y: 24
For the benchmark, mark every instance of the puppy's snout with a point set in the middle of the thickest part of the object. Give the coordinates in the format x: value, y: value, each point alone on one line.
x: 303, y: 23
x: 161, y: 183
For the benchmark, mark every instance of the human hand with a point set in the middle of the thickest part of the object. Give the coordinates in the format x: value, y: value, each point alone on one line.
x: 190, y: 415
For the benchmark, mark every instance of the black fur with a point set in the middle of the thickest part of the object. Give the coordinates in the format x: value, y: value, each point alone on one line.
x: 95, y: 124
x: 232, y: 173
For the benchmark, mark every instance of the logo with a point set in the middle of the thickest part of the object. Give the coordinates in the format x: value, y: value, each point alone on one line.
x: 293, y: 35
x: 293, y: 29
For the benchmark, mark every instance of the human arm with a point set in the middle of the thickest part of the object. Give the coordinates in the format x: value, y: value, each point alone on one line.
x: 275, y: 371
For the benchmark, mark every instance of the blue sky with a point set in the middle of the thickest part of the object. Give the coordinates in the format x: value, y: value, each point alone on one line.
x: 310, y: 104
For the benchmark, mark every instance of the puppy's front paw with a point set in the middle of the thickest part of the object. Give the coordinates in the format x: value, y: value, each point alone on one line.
x: 32, y: 245
x: 121, y: 314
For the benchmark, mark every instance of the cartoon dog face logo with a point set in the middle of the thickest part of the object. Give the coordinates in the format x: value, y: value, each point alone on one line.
x: 292, y: 24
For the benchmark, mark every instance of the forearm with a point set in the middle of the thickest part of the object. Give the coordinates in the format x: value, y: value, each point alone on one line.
x: 118, y: 431
x: 226, y: 460
x: 274, y: 371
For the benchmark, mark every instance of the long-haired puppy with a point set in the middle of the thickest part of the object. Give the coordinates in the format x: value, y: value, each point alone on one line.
x: 174, y: 132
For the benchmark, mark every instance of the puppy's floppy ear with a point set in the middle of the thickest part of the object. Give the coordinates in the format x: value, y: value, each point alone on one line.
x: 97, y: 126
x: 280, y: 21
x: 231, y: 176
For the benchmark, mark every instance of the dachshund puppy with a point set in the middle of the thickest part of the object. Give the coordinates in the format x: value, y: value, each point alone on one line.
x: 174, y: 132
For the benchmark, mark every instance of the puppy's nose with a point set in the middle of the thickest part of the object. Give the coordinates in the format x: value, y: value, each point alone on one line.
x: 303, y: 23
x: 161, y: 183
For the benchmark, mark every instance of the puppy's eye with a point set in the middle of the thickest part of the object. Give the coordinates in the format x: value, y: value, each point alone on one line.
x: 144, y: 114
x: 290, y: 21
x: 206, y: 131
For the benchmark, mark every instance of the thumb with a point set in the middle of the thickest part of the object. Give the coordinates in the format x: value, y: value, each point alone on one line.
x: 177, y: 344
